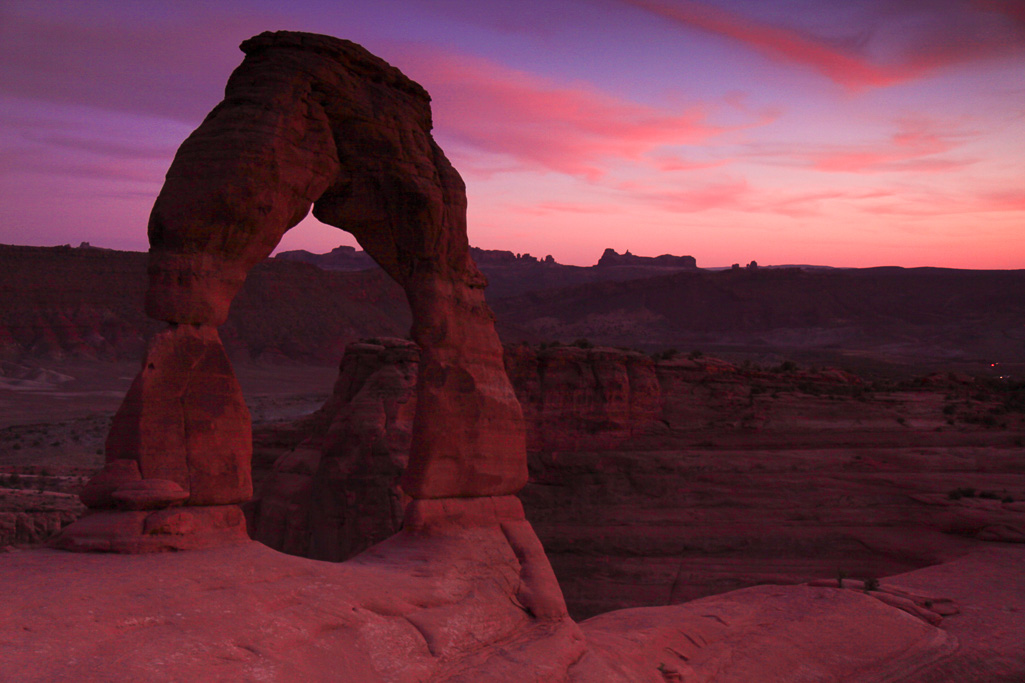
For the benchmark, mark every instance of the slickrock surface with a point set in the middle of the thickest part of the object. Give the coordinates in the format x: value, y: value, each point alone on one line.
x: 463, y: 603
x: 988, y: 588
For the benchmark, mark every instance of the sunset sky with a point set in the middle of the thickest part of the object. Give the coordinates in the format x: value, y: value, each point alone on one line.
x: 846, y: 133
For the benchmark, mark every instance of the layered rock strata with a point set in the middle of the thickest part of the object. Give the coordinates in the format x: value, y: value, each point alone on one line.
x: 659, y: 482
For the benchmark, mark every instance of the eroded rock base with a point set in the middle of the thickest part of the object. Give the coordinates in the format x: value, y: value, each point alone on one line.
x: 152, y: 531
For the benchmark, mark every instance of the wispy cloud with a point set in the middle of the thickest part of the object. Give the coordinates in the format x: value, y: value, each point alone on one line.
x: 722, y: 194
x: 917, y: 146
x: 927, y: 204
x: 779, y: 43
x: 546, y: 208
x: 952, y: 33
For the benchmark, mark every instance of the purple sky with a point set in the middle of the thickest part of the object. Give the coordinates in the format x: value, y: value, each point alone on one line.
x: 854, y: 133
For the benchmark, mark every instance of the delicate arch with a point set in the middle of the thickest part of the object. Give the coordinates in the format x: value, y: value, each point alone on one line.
x: 310, y: 120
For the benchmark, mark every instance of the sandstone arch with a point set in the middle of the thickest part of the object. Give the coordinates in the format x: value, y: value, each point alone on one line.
x: 306, y: 121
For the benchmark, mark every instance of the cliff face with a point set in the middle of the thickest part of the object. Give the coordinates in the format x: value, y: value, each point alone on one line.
x: 915, y: 314
x: 656, y: 482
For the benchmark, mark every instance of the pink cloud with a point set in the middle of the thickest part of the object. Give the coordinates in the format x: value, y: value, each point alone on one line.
x: 668, y: 162
x: 950, y: 35
x: 1011, y: 200
x: 727, y: 194
x: 934, y: 204
x: 546, y: 208
x: 916, y: 146
x: 575, y: 130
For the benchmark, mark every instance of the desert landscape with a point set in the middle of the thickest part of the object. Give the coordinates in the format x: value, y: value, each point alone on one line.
x: 657, y: 479
x: 419, y: 460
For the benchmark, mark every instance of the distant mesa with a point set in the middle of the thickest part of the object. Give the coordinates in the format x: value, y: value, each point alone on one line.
x: 352, y: 259
x: 339, y: 258
x: 611, y: 258
x: 499, y: 257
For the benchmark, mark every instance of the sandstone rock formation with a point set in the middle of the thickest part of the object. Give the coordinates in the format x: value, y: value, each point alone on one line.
x: 310, y: 121
x: 337, y: 493
x: 584, y: 398
x: 464, y: 592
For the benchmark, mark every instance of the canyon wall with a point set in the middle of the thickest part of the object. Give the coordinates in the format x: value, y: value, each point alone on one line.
x: 86, y: 304
x: 654, y: 482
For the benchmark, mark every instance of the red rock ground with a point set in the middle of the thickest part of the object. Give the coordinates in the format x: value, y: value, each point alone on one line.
x: 444, y: 607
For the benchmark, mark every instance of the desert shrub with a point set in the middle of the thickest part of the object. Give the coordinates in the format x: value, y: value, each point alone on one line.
x: 810, y: 388
x: 787, y: 366
x: 949, y: 409
x: 872, y: 584
x: 665, y: 355
x: 695, y: 354
x: 902, y: 420
x: 989, y: 495
x: 1014, y: 400
x: 961, y: 492
x: 582, y: 344
x: 840, y: 576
